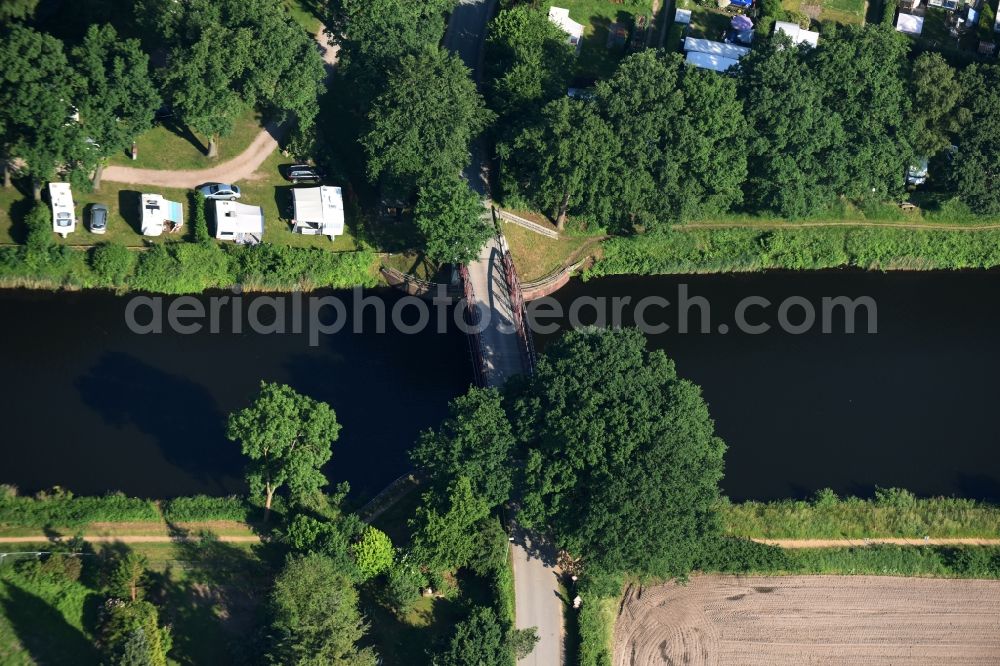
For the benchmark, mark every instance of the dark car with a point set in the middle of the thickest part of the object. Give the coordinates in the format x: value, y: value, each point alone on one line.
x: 303, y: 173
x: 98, y: 219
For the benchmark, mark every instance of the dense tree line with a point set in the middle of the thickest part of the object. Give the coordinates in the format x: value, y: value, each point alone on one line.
x: 792, y: 133
x: 69, y: 105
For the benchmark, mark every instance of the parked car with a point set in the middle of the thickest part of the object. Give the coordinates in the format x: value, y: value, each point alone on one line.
x: 220, y: 191
x: 303, y: 173
x: 98, y: 219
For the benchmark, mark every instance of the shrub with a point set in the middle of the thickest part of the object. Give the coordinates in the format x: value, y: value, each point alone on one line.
x: 40, y: 238
x: 61, y: 509
x: 889, y: 12
x: 403, y: 586
x: 182, y: 268
x: 112, y: 263
x: 199, y: 225
x: 373, y: 553
x: 737, y: 555
x: 270, y: 266
x: 202, y: 508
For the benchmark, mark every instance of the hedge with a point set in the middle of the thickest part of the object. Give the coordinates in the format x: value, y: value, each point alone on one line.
x: 752, y: 249
x: 187, y: 268
x: 61, y: 509
x: 892, y: 513
x: 203, y: 508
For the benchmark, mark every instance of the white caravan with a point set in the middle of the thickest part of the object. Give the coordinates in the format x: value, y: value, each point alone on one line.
x: 159, y: 215
x: 318, y: 211
x: 63, y: 214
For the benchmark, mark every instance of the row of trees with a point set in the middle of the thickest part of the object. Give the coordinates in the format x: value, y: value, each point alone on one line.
x: 794, y: 130
x: 75, y: 104
x: 418, y: 112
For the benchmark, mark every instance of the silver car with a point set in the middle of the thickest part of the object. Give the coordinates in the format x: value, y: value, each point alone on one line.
x: 220, y: 191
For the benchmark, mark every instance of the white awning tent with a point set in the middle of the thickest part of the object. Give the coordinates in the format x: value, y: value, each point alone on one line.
x: 318, y: 211
x: 574, y: 30
x: 910, y: 24
x: 797, y: 34
x: 159, y: 214
x: 709, y: 61
x: 63, y: 210
x: 721, y: 49
x: 239, y: 222
x: 682, y: 16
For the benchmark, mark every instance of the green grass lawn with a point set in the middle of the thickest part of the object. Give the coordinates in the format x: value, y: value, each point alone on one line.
x: 706, y: 22
x: 210, y: 593
x: 595, y: 59
x: 840, y: 11
x: 304, y: 12
x: 267, y: 189
x: 173, y: 146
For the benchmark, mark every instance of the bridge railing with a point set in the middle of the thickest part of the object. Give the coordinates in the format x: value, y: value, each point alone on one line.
x: 517, y: 307
x: 472, y: 316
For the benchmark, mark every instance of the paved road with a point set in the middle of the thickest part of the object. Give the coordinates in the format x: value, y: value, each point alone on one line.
x: 536, y: 591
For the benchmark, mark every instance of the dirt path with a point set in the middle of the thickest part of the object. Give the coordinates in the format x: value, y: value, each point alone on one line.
x: 795, y: 620
x: 241, y: 167
x: 847, y: 543
x: 132, y: 538
x: 838, y: 223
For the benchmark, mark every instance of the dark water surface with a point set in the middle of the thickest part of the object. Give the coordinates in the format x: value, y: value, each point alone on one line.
x: 90, y: 406
x: 916, y: 405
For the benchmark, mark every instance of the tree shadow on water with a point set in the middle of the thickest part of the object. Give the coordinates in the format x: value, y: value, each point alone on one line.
x: 43, y: 631
x: 181, y: 416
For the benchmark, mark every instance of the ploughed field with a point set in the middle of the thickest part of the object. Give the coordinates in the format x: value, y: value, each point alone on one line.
x: 794, y: 620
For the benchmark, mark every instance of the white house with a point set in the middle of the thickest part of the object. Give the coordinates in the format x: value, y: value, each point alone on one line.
x: 682, y: 16
x: 909, y: 24
x: 709, y: 61
x: 63, y: 212
x: 158, y: 215
x: 318, y: 211
x: 574, y: 30
x: 797, y: 34
x: 721, y: 49
x: 238, y: 222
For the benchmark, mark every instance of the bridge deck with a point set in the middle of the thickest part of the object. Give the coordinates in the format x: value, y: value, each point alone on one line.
x: 502, y: 355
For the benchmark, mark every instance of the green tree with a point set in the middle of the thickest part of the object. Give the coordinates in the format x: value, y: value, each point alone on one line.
x: 447, y: 529
x: 975, y: 169
x: 450, y: 218
x: 863, y: 73
x: 474, y: 442
x: 935, y: 92
x: 478, y: 640
x: 523, y: 641
x: 622, y: 461
x: 792, y: 134
x: 373, y: 553
x: 116, y: 96
x: 17, y: 10
x: 403, y: 586
x: 131, y: 634
x: 566, y: 161
x: 422, y: 125
x: 528, y: 64
x: 316, y: 618
x: 126, y: 576
x: 36, y: 104
x: 332, y: 538
x: 112, y: 263
x: 230, y: 55
x: 287, y: 437
x: 674, y: 168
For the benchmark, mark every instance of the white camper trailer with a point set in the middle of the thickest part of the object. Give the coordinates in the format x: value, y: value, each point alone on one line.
x: 318, y: 211
x: 159, y: 215
x: 238, y: 222
x: 63, y: 213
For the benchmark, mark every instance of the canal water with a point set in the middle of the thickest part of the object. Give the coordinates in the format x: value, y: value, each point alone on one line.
x: 89, y: 405
x: 916, y: 405
x: 93, y: 407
